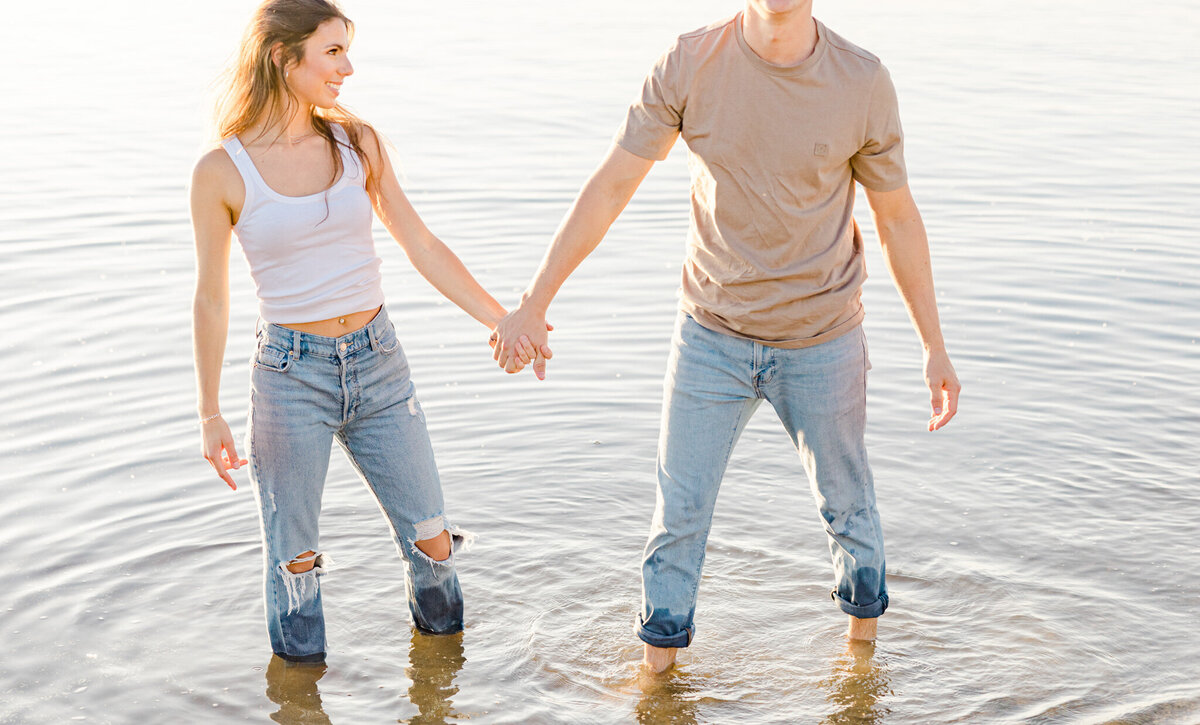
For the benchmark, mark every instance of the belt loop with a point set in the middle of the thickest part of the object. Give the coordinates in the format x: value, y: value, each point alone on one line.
x: 374, y: 339
x: 295, y: 344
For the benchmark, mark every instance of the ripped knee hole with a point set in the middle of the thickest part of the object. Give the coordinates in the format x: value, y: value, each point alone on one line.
x: 300, y: 577
x: 437, y: 541
x: 436, y: 547
x: 302, y: 563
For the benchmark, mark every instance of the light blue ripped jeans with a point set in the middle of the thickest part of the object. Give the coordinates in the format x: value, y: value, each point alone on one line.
x: 714, y: 384
x: 307, y: 391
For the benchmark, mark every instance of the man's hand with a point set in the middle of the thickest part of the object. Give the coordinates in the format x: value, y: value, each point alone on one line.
x: 520, y: 339
x: 943, y: 388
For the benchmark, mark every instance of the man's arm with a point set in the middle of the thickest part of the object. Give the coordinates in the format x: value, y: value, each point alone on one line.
x: 906, y: 252
x: 598, y: 205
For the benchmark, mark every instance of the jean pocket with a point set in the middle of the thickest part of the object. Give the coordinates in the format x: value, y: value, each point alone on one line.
x: 271, y: 358
x: 388, y: 342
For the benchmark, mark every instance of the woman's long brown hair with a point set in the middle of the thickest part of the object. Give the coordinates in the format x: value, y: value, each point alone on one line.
x: 256, y: 89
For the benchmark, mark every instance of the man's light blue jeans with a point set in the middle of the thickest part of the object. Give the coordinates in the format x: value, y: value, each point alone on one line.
x: 713, y: 385
x: 307, y: 391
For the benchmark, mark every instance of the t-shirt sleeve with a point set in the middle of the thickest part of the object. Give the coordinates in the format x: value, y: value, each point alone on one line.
x: 879, y: 163
x: 655, y: 119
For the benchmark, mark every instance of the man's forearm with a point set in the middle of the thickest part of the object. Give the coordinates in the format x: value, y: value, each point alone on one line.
x: 598, y: 205
x: 584, y: 227
x: 906, y: 252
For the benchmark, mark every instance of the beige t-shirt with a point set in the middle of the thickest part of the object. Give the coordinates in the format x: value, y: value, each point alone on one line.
x: 774, y: 254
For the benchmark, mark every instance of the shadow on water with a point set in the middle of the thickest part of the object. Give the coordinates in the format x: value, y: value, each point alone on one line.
x: 293, y: 687
x: 434, y: 660
x: 857, y: 685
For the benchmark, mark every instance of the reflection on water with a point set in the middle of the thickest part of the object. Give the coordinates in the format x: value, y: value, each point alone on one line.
x: 856, y: 691
x: 669, y: 698
x: 857, y: 685
x: 293, y: 687
x: 434, y: 661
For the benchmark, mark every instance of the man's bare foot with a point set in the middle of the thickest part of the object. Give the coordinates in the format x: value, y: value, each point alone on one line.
x: 862, y: 629
x: 658, y: 659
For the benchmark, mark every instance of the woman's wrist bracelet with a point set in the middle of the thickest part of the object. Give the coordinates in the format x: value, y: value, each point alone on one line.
x: 214, y: 416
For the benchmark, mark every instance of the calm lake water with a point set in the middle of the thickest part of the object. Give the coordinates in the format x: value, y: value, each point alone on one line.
x: 1042, y: 548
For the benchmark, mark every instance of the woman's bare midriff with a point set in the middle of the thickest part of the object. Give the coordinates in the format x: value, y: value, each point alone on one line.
x: 335, y: 326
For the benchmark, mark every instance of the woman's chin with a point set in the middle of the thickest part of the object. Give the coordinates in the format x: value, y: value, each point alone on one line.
x: 323, y: 101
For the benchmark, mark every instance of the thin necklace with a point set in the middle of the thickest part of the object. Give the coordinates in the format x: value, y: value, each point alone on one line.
x: 294, y: 141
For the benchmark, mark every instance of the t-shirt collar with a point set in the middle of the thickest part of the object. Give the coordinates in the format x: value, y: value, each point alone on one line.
x: 781, y: 70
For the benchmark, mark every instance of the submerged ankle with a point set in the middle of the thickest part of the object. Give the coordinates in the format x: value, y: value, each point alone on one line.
x: 658, y: 659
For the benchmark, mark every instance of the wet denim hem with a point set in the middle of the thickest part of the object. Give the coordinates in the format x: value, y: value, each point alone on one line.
x: 453, y: 629
x: 683, y: 639
x: 862, y: 611
x: 302, y: 659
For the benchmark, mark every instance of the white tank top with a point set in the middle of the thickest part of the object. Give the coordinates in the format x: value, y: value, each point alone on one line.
x: 312, y: 257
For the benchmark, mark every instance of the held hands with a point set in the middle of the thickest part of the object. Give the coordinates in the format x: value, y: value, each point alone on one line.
x: 219, y: 450
x: 943, y: 388
x: 521, y: 338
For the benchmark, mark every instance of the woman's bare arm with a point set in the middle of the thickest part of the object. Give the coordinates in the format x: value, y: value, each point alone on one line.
x: 212, y: 226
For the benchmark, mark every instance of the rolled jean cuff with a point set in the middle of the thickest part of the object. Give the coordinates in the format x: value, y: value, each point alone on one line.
x: 682, y: 639
x: 862, y: 611
x: 315, y: 658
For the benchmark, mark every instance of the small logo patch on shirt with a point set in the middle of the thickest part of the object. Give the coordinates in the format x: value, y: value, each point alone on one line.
x: 821, y: 149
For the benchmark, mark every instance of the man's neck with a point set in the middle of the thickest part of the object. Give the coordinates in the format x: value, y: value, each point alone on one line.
x: 784, y: 38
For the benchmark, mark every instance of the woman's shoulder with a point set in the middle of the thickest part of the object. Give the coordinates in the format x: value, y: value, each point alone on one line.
x: 214, y: 160
x: 215, y: 169
x: 363, y: 135
x: 357, y: 129
x: 367, y: 131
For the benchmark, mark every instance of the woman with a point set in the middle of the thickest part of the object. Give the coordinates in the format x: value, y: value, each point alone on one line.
x: 296, y: 178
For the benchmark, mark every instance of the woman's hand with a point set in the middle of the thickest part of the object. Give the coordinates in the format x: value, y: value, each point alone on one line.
x: 219, y: 450
x: 523, y: 353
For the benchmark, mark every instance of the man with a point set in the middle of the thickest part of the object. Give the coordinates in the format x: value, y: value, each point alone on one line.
x: 781, y: 117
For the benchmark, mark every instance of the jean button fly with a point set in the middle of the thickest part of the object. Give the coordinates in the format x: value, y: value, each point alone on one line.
x: 342, y: 347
